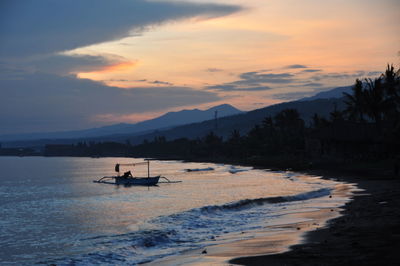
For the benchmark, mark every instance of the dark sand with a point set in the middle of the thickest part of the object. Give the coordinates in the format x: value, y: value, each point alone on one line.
x: 275, y: 238
x: 368, y: 233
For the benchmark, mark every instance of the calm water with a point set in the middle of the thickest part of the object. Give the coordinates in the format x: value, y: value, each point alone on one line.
x: 52, y: 212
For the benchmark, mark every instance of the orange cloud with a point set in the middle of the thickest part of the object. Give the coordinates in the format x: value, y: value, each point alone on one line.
x: 127, y: 118
x: 110, y: 69
x: 119, y: 67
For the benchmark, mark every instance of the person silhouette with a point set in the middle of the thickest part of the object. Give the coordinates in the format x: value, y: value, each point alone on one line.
x: 127, y: 174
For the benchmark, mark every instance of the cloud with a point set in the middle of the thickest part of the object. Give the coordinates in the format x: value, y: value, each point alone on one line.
x: 305, y: 83
x: 31, y: 27
x: 46, y: 102
x: 289, y: 96
x: 255, y: 81
x: 295, y: 66
x: 213, y: 69
x: 258, y: 78
x: 10, y: 72
x: 35, y: 37
x: 230, y: 87
x: 311, y: 70
x: 64, y: 64
x: 374, y: 73
x: 312, y: 84
x: 282, y: 82
x: 159, y: 82
x: 340, y: 75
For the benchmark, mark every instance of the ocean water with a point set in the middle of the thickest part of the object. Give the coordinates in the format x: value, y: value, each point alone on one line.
x: 52, y: 212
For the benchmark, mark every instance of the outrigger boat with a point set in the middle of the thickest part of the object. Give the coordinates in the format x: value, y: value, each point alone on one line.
x: 128, y: 180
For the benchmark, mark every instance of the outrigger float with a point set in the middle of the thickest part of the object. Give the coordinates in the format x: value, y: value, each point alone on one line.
x: 128, y: 180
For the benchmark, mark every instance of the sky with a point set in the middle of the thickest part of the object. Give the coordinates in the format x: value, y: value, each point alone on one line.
x: 69, y: 65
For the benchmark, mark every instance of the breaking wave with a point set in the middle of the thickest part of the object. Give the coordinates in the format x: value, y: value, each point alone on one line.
x: 249, y: 203
x: 192, y: 229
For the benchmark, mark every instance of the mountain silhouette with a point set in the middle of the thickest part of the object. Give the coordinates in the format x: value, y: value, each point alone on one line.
x: 333, y: 93
x: 165, y: 121
x: 187, y: 123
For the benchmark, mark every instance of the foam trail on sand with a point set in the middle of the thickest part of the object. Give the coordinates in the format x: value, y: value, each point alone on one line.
x: 192, y: 229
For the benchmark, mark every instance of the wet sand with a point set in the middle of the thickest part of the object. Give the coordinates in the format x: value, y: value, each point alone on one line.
x: 275, y: 238
x: 368, y: 233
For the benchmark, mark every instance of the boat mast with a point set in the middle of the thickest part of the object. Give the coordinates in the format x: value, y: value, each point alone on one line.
x: 148, y: 168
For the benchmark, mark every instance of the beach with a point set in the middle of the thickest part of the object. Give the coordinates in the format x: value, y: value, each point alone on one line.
x: 60, y: 216
x: 322, y: 217
x: 367, y: 233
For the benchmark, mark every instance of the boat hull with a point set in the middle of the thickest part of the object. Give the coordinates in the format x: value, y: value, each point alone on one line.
x: 137, y: 181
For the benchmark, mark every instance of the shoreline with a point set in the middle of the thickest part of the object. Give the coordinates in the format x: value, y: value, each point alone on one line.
x: 366, y: 233
x: 365, y: 230
x: 274, y: 238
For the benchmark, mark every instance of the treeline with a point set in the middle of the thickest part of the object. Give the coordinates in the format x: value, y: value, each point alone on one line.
x: 368, y: 129
x: 282, y: 134
x: 377, y: 100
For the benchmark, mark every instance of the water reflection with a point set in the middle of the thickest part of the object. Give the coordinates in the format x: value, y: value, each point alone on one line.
x: 53, y: 209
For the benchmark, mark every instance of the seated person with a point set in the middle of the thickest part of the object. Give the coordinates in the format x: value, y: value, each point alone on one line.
x: 127, y: 174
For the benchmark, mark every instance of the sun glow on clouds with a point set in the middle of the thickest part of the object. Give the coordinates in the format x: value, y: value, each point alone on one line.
x: 130, y: 118
x: 117, y: 68
x: 329, y: 36
x: 266, y: 35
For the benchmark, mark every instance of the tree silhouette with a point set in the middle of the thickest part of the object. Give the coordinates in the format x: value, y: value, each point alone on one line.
x: 391, y: 85
x: 355, y: 102
x: 289, y: 119
x: 267, y: 122
x: 319, y: 122
x: 336, y: 115
x: 235, y: 137
x: 391, y: 78
x: 376, y: 104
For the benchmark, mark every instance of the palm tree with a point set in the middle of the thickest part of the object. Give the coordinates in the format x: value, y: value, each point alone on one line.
x: 318, y: 121
x: 235, y: 137
x: 392, y: 90
x: 376, y: 103
x: 267, y: 122
x: 289, y: 119
x: 336, y: 115
x: 355, y: 102
x: 391, y: 78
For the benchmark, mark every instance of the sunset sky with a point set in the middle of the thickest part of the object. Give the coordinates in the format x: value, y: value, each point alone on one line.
x: 67, y: 65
